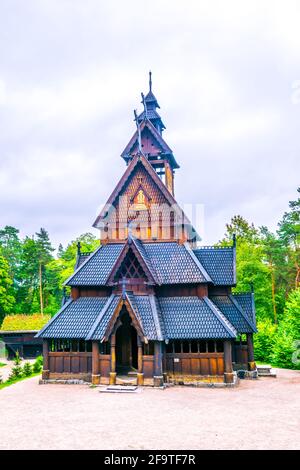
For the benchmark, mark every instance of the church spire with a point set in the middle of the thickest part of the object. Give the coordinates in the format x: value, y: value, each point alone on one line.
x: 150, y: 105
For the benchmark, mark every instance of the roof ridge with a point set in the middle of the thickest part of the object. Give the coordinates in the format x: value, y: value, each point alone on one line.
x: 54, y: 317
x: 152, y: 300
x: 241, y: 310
x: 147, y: 261
x: 100, y: 316
x: 197, y: 262
x: 212, y: 247
x: 136, y: 312
x: 221, y: 317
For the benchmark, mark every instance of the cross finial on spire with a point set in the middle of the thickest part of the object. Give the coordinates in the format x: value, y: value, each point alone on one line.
x: 150, y: 81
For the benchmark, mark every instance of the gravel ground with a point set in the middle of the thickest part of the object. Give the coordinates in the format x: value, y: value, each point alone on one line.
x: 261, y: 414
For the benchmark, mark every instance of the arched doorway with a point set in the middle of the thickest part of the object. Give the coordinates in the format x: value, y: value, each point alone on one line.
x: 126, y: 344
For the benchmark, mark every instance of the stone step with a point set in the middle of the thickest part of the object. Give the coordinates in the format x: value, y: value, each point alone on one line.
x: 119, y: 389
x: 265, y: 371
x: 126, y: 380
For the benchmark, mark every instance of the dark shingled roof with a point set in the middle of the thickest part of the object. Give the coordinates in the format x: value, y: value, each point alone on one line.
x: 163, y: 318
x: 81, y: 259
x: 246, y: 301
x: 174, y: 263
x: 145, y: 310
x: 97, y: 267
x: 75, y: 319
x: 192, y: 317
x: 170, y: 263
x: 219, y: 263
x: 234, y: 312
x: 150, y: 317
x: 98, y: 329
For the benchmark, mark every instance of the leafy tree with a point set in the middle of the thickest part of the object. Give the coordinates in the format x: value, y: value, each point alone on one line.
x: 6, y: 299
x: 11, y: 248
x: 288, y: 334
x: 264, y: 340
x: 289, y: 233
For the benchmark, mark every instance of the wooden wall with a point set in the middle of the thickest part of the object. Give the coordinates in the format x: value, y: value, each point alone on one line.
x: 148, y: 366
x: 68, y: 362
x: 186, y: 364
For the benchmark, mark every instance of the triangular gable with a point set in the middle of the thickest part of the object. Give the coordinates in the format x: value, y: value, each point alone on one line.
x: 130, y: 246
x: 139, y: 159
x: 146, y: 124
x: 135, y: 320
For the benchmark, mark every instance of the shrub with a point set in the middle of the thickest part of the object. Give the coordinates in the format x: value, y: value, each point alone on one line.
x: 17, y: 370
x: 264, y: 340
x: 286, y: 347
x: 27, y: 369
x: 38, y: 364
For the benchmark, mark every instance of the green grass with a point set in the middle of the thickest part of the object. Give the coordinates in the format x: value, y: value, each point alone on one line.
x: 8, y: 383
x: 2, y: 364
x: 24, y: 322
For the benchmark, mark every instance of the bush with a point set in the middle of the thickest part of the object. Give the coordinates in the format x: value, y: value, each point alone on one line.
x: 264, y: 340
x: 17, y: 370
x: 288, y: 333
x: 38, y: 364
x: 27, y: 369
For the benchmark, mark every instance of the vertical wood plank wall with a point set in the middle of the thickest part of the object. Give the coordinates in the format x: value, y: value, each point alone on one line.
x: 195, y: 363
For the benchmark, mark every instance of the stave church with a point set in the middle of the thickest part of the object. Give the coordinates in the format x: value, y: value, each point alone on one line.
x: 150, y: 305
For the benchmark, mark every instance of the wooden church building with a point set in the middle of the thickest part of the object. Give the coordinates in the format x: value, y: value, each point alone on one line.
x: 150, y: 304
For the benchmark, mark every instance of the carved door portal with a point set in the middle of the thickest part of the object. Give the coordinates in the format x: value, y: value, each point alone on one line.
x: 126, y: 345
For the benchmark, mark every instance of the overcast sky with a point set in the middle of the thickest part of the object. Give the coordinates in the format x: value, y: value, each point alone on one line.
x: 226, y: 75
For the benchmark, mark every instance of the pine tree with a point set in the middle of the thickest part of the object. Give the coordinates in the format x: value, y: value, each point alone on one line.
x: 44, y: 253
x: 27, y: 369
x: 17, y: 370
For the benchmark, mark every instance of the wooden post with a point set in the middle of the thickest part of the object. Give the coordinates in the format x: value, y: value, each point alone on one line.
x: 140, y: 375
x: 251, y: 362
x: 228, y: 371
x: 46, y: 369
x: 95, y: 363
x: 158, y: 369
x: 112, y: 374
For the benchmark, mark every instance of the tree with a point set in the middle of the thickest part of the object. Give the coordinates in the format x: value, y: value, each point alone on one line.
x: 44, y: 256
x: 250, y: 265
x: 7, y: 301
x: 289, y: 233
x: 287, y: 342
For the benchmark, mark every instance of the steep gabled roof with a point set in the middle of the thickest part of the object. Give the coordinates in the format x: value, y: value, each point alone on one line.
x: 233, y: 311
x: 139, y: 252
x: 192, y: 317
x: 75, y: 319
x: 134, y: 139
x: 246, y: 301
x: 95, y: 270
x: 219, y: 262
x: 162, y: 262
x: 165, y: 149
x: 138, y: 160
